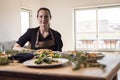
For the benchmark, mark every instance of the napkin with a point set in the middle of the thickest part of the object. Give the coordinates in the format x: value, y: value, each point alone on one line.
x: 21, y: 57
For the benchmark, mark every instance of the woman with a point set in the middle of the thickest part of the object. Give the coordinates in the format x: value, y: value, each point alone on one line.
x: 41, y: 37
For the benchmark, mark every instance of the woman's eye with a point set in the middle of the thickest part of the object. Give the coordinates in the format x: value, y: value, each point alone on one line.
x: 43, y: 16
x: 46, y: 16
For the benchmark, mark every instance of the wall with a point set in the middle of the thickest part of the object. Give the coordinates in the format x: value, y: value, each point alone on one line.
x: 62, y: 16
x: 10, y: 24
x: 9, y: 19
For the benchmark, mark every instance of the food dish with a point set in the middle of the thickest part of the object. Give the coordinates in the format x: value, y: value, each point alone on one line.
x: 31, y: 63
x: 4, y: 59
x: 80, y: 59
x: 96, y: 55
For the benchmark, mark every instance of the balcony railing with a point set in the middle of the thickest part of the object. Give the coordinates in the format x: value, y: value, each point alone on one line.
x: 108, y: 44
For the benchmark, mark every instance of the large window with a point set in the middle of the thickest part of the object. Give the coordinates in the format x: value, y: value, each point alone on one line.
x: 97, y: 27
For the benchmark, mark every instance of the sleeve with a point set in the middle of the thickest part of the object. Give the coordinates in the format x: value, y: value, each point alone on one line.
x: 24, y: 38
x: 59, y: 43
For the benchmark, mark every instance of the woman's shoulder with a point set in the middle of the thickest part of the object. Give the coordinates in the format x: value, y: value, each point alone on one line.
x: 55, y: 32
x: 33, y: 29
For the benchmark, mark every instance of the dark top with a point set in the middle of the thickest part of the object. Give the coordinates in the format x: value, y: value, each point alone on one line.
x: 31, y: 35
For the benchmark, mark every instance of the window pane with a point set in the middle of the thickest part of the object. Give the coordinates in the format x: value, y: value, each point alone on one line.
x: 109, y: 23
x: 109, y: 19
x: 25, y: 21
x: 85, y: 20
x: 85, y: 26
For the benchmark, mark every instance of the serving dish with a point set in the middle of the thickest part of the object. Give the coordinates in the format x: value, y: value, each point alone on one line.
x: 31, y: 63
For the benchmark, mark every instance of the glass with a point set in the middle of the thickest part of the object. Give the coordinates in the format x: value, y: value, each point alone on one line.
x: 85, y: 20
x: 2, y: 50
x: 109, y: 19
x: 25, y: 20
x: 109, y: 23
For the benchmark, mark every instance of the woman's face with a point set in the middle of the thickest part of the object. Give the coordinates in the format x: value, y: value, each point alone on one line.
x: 43, y: 18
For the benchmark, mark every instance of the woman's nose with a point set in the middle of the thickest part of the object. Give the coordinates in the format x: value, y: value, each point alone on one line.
x: 43, y: 18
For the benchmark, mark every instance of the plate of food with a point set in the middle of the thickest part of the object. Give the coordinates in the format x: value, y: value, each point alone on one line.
x: 81, y: 59
x: 97, y: 55
x: 4, y: 59
x: 46, y: 62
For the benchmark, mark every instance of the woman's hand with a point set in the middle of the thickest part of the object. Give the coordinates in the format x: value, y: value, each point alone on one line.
x: 19, y: 48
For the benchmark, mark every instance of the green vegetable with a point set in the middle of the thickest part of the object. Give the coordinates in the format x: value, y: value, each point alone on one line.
x: 46, y: 58
x: 56, y: 55
x: 0, y: 52
x: 39, y: 61
x: 4, y: 60
x: 81, y: 60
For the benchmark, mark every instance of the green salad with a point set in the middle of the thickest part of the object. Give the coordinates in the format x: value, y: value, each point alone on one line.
x: 47, y: 57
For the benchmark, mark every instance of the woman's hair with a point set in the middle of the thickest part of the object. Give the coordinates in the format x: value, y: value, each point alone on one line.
x: 43, y: 8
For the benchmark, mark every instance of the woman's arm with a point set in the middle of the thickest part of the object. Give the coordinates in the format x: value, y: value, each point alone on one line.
x: 19, y: 48
x: 19, y: 45
x: 59, y: 42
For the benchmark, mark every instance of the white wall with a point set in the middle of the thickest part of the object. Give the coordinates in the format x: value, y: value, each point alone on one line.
x: 10, y: 25
x: 9, y: 19
x: 62, y: 12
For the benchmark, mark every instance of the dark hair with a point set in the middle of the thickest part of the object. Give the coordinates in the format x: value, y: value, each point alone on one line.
x: 43, y: 8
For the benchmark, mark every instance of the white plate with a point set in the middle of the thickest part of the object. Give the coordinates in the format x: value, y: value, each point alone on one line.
x: 30, y: 63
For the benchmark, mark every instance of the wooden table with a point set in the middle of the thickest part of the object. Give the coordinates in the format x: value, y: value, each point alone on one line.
x: 17, y: 71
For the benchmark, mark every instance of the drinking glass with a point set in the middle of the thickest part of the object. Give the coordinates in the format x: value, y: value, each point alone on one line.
x: 2, y: 48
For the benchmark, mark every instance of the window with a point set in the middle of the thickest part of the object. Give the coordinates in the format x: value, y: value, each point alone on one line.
x: 25, y: 20
x: 97, y: 28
